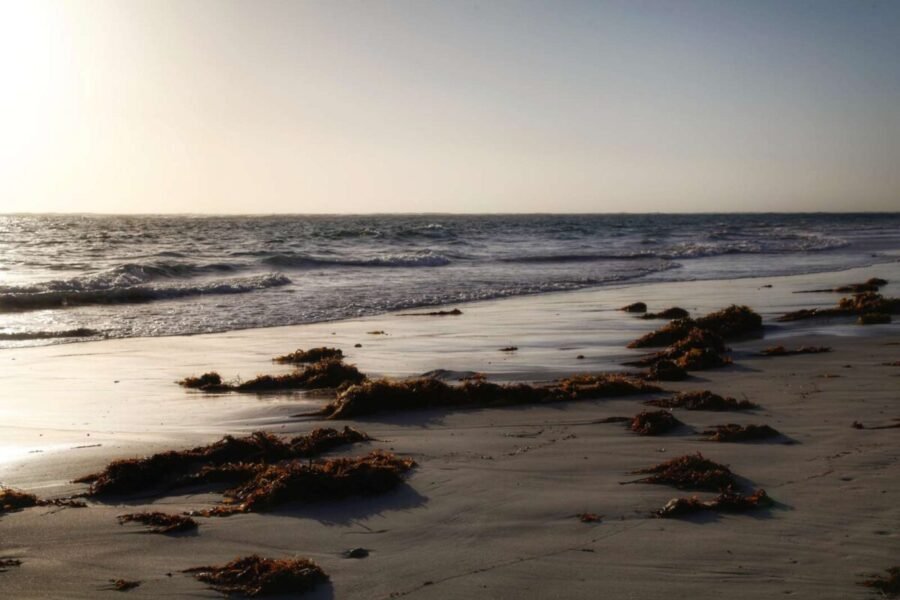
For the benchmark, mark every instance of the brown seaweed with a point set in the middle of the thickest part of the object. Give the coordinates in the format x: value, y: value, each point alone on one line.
x: 874, y: 319
x: 207, y: 381
x: 858, y: 304
x: 653, y: 422
x: 255, y: 576
x: 732, y: 322
x: 666, y: 370
x: 635, y: 307
x: 889, y: 585
x: 160, y: 522
x: 133, y: 475
x: 371, y: 397
x: 301, y: 481
x: 666, y: 335
x: 724, y: 502
x: 310, y: 356
x: 689, y: 472
x: 329, y: 373
x: 702, y: 400
x: 12, y: 500
x: 675, y: 312
x: 733, y: 432
x: 699, y: 359
x: 436, y: 313
x: 588, y: 517
x: 124, y: 585
x: 6, y: 563
x: 782, y: 351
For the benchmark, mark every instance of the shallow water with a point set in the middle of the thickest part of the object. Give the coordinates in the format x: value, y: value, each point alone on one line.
x: 70, y: 278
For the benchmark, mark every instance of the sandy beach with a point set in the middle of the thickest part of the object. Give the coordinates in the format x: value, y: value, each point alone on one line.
x: 490, y: 509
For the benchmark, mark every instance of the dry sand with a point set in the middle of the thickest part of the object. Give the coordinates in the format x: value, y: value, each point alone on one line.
x: 490, y: 510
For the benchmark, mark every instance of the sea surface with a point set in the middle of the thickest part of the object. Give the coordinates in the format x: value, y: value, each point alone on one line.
x: 75, y: 278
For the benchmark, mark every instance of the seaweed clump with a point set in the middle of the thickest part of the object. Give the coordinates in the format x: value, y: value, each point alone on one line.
x: 703, y: 400
x: 874, y: 319
x: 124, y: 585
x: 732, y: 322
x: 666, y: 335
x: 653, y: 422
x: 310, y: 356
x: 160, y: 522
x: 371, y: 397
x: 331, y: 479
x: 139, y: 474
x: 690, y: 472
x: 725, y: 502
x: 666, y: 370
x: 858, y: 304
x: 675, y: 312
x: 255, y: 576
x: 6, y: 563
x: 13, y: 500
x: 635, y: 307
x: 888, y: 586
x: 211, y: 381
x: 782, y: 351
x: 733, y: 432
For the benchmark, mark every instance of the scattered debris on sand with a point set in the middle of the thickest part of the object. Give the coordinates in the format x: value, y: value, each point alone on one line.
x: 6, y: 563
x: 588, y: 517
x: 371, y: 397
x: 733, y: 432
x: 635, y: 307
x: 782, y: 351
x: 301, y: 481
x: 689, y: 472
x: 509, y: 349
x: 160, y: 522
x: 12, y: 500
x: 856, y: 305
x: 355, y: 553
x: 702, y: 400
x: 255, y: 576
x: 653, y: 422
x: 124, y: 585
x: 437, y: 313
x: 326, y: 373
x: 889, y: 586
x: 871, y: 285
x: 207, y: 381
x: 894, y: 425
x: 134, y: 475
x: 874, y: 319
x: 675, y: 312
x: 310, y: 356
x: 666, y: 370
x: 724, y: 502
x: 377, y: 332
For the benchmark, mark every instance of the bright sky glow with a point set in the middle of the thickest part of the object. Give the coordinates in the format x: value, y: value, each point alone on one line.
x: 220, y: 106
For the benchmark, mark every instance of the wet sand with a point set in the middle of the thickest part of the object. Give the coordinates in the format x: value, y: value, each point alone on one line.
x: 490, y: 510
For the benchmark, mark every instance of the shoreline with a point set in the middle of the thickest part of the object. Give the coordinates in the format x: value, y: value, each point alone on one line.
x: 489, y: 511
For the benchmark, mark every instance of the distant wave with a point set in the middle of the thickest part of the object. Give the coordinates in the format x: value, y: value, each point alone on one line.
x: 81, y: 332
x: 303, y: 261
x: 134, y: 294
x: 126, y: 275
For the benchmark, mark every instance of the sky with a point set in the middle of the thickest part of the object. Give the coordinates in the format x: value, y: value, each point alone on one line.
x: 374, y: 106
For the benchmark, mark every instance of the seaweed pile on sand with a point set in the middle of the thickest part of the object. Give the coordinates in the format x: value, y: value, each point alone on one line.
x: 866, y: 305
x: 255, y: 576
x: 12, y: 500
x: 635, y: 307
x: 724, y: 502
x: 653, y: 422
x: 310, y: 356
x: 702, y: 400
x: 870, y: 285
x: 158, y: 522
x: 888, y: 586
x: 697, y: 344
x: 173, y: 468
x: 676, y: 312
x: 299, y: 481
x: 124, y: 585
x: 782, y: 351
x: 383, y: 395
x: 6, y: 563
x: 689, y: 472
x: 326, y: 373
x: 733, y: 432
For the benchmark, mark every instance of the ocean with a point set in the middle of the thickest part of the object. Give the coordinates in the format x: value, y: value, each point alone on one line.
x: 75, y: 278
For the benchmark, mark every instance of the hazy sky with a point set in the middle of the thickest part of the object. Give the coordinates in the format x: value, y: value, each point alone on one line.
x: 492, y: 106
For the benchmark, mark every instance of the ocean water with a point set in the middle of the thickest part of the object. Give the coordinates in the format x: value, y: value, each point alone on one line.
x: 74, y: 278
